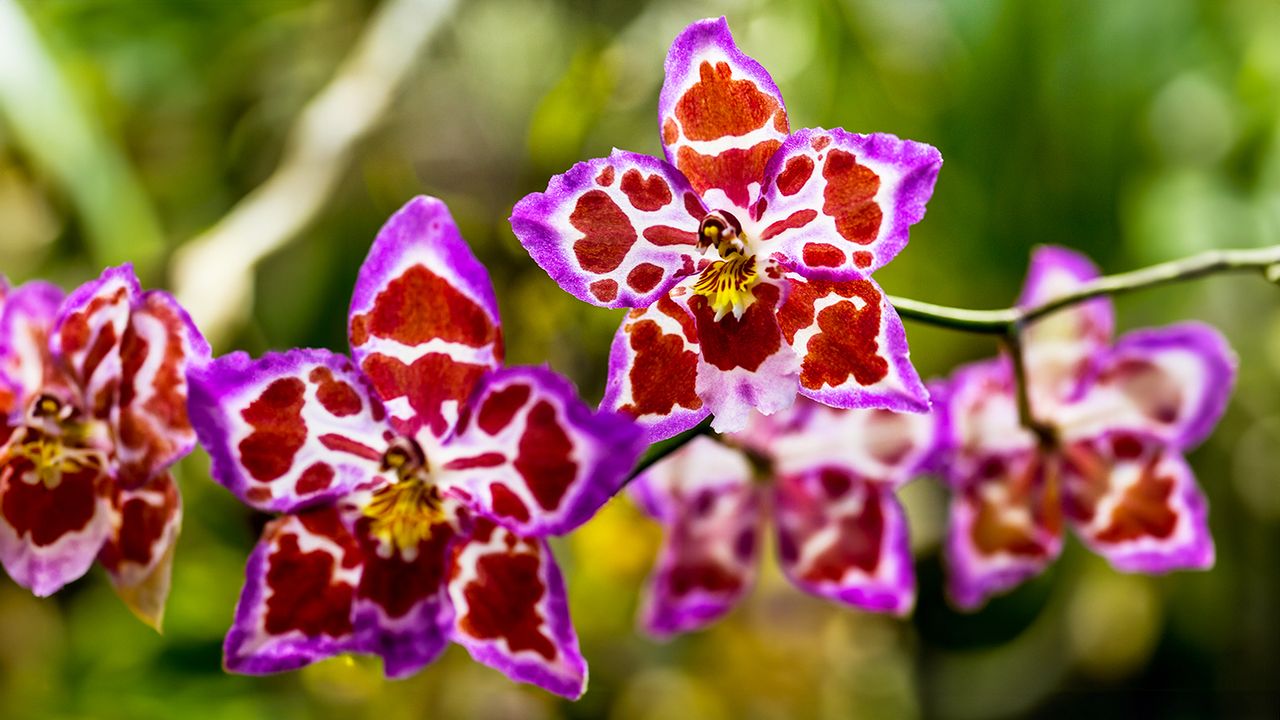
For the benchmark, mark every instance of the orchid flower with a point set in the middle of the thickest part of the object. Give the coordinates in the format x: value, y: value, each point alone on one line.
x: 828, y: 481
x: 94, y: 403
x: 416, y: 481
x: 747, y: 253
x: 1119, y: 415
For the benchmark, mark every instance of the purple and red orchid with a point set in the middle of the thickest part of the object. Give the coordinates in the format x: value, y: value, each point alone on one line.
x: 1119, y: 417
x: 416, y: 480
x: 829, y: 483
x: 798, y: 222
x: 93, y: 398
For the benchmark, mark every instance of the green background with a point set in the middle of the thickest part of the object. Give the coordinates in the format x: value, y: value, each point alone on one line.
x: 1134, y: 130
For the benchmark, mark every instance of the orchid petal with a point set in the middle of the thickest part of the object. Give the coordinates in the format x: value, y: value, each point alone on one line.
x: 837, y: 205
x: 1134, y: 500
x: 424, y: 322
x: 852, y: 344
x: 27, y: 317
x: 88, y: 333
x: 50, y: 533
x: 616, y: 232
x: 296, y: 605
x: 843, y: 537
x: 653, y: 370
x: 138, y: 555
x: 704, y: 497
x: 721, y: 115
x: 287, y: 430
x: 533, y: 457
x: 512, y: 613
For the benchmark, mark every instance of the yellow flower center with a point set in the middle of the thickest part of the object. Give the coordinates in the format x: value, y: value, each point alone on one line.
x: 55, y: 441
x: 404, y: 513
x: 727, y: 282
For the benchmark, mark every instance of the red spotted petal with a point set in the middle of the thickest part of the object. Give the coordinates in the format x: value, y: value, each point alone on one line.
x: 653, y: 370
x: 704, y: 497
x: 138, y: 555
x: 1134, y: 500
x: 721, y: 115
x: 853, y: 346
x: 27, y: 318
x: 50, y: 531
x: 90, y: 328
x: 287, y: 430
x: 511, y: 610
x: 296, y: 607
x: 534, y: 457
x: 844, y: 537
x: 1172, y: 382
x: 424, y: 321
x: 616, y: 232
x: 152, y: 428
x: 840, y: 205
x: 1006, y: 523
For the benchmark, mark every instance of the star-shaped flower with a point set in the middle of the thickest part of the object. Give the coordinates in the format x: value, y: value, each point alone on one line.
x: 747, y: 254
x: 417, y: 480
x: 827, y: 477
x: 93, y: 411
x: 1119, y: 414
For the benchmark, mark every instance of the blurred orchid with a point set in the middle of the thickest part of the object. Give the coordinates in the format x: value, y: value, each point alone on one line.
x: 417, y: 481
x: 747, y: 253
x: 830, y: 478
x: 1118, y: 417
x: 94, y: 403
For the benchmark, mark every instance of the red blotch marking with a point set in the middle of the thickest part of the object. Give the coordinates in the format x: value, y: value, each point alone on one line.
x: 717, y: 105
x: 670, y: 133
x: 693, y: 205
x: 302, y: 593
x: 478, y: 461
x: 142, y: 524
x: 605, y: 178
x: 795, y: 220
x: 339, y: 398
x: 420, y: 305
x: 835, y: 483
x: 858, y: 542
x: 343, y: 444
x: 278, y: 430
x: 1143, y: 511
x: 154, y: 430
x: 644, y: 277
x: 795, y: 174
x: 848, y: 197
x: 607, y: 232
x: 823, y: 255
x: 502, y: 603
x: 706, y: 575
x: 47, y: 514
x: 820, y: 142
x: 732, y: 342
x: 648, y: 194
x: 732, y: 171
x: 1126, y: 447
x: 672, y: 309
x: 501, y: 406
x: 605, y: 290
x: 428, y: 383
x: 397, y: 585
x: 666, y: 235
x: 863, y: 259
x: 544, y: 456
x: 74, y: 336
x: 663, y: 374
x: 315, y: 478
x: 1031, y: 489
x: 508, y: 504
x: 846, y: 344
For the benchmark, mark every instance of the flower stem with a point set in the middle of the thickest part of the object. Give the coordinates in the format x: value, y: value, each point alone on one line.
x: 1265, y: 261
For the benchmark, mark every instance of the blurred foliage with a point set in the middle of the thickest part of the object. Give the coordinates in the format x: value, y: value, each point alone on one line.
x: 1133, y: 130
